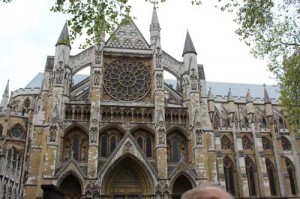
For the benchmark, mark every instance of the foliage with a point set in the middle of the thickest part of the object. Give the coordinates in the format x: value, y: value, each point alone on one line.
x: 93, y: 17
x: 272, y: 30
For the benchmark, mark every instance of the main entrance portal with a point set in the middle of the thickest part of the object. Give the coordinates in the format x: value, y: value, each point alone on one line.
x: 127, y: 179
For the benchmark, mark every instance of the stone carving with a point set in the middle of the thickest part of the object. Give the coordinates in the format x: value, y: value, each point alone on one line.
x: 194, y: 78
x: 98, y: 54
x: 97, y: 77
x: 158, y: 57
x: 159, y: 80
x: 161, y: 135
x: 128, y: 36
x: 199, y: 133
x: 127, y: 79
x: 93, y: 134
x: 82, y: 59
x: 59, y: 73
x: 52, y: 133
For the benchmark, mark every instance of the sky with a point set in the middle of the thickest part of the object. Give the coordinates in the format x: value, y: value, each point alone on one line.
x: 29, y: 32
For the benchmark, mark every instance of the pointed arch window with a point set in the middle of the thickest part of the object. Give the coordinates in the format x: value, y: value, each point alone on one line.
x: 148, y: 146
x: 140, y: 142
x: 1, y: 130
x: 267, y: 144
x: 292, y: 175
x: 4, y: 190
x: 175, y: 144
x: 271, y: 176
x: 75, y: 145
x: 247, y: 143
x: 286, y: 144
x: 226, y: 143
x: 104, y: 146
x: 113, y: 144
x: 250, y: 171
x: 229, y: 175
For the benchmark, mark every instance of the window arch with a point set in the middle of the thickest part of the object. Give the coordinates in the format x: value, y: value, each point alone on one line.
x: 26, y: 103
x: 247, y: 143
x: 292, y: 175
x: 4, y: 190
x: 226, y: 143
x: 267, y: 144
x: 272, y: 177
x: 104, y: 146
x: 286, y: 144
x: 229, y: 175
x: 145, y: 141
x: 109, y: 140
x: 251, y: 176
x: 148, y: 146
x: 177, y: 146
x: 75, y: 145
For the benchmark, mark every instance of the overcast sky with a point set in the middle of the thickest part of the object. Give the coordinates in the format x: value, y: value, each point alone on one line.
x: 29, y: 31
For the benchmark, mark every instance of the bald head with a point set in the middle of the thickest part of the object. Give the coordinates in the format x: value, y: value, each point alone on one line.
x: 206, y: 192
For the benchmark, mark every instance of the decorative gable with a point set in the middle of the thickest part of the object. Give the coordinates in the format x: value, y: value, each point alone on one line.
x: 128, y: 36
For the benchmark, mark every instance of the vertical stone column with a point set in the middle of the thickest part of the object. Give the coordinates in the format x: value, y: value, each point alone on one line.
x: 96, y: 82
x: 240, y: 164
x: 160, y: 125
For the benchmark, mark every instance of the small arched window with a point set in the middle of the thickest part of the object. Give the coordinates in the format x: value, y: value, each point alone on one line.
x: 140, y: 142
x: 247, y: 143
x: 250, y: 171
x: 75, y: 148
x: 175, y: 144
x: 229, y: 175
x: 226, y: 143
x: 104, y: 146
x: 267, y: 144
x: 148, y: 147
x: 1, y: 130
x: 113, y: 144
x: 271, y: 176
x: 292, y: 175
x: 26, y: 103
x: 286, y: 145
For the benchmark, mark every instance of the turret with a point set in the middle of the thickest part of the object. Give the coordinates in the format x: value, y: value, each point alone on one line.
x: 249, y: 107
x: 61, y: 70
x: 154, y: 29
x: 230, y: 100
x: 267, y: 102
x: 190, y: 69
x: 5, y: 97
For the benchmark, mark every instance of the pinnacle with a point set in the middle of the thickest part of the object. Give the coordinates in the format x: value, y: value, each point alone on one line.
x: 64, y: 37
x: 266, y: 95
x: 248, y: 97
x: 188, y: 45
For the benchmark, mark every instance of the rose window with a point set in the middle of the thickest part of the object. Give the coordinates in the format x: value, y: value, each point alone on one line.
x: 127, y: 79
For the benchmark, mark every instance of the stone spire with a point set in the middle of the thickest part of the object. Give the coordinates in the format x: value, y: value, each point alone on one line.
x: 210, y: 95
x: 188, y: 45
x: 248, y: 97
x: 266, y: 95
x: 5, y: 97
x: 154, y: 29
x: 230, y: 97
x: 268, y: 104
x: 64, y: 38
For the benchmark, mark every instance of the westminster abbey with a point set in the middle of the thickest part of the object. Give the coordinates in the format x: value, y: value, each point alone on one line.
x: 125, y: 132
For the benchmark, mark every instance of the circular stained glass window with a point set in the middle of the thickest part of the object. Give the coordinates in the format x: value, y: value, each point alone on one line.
x: 127, y: 79
x: 16, y: 132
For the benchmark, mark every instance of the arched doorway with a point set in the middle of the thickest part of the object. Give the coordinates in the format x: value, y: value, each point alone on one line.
x: 181, y: 185
x: 71, y: 187
x: 127, y: 179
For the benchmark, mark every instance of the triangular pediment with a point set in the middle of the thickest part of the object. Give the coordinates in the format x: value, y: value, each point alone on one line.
x: 128, y: 147
x: 128, y: 36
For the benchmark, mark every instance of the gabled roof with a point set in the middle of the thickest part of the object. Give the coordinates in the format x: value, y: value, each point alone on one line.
x: 128, y: 36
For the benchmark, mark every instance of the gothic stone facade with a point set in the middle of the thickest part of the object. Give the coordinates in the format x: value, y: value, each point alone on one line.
x: 124, y: 133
